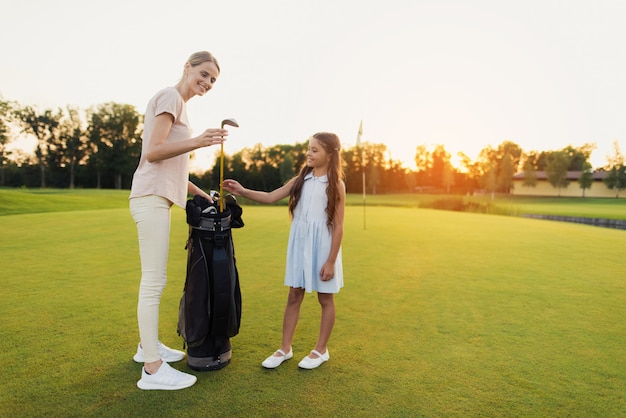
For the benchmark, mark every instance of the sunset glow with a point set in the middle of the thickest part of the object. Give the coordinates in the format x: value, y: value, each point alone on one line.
x: 462, y: 74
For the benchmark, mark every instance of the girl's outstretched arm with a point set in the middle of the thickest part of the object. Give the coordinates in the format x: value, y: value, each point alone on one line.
x: 328, y: 269
x: 234, y: 187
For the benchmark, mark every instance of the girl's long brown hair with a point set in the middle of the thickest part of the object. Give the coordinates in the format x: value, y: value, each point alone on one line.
x: 331, y: 144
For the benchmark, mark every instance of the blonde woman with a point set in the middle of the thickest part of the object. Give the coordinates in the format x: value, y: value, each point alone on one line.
x: 161, y: 181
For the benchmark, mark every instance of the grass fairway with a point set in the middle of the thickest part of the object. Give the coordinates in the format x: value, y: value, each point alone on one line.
x: 443, y: 314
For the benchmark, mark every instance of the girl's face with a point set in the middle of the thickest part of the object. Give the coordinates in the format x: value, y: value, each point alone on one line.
x: 200, y: 79
x: 316, y: 155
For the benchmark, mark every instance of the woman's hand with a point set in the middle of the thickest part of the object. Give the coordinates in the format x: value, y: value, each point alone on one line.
x: 211, y: 137
x: 159, y: 150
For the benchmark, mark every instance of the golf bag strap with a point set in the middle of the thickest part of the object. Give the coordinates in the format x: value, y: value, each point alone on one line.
x: 222, y: 291
x: 213, y: 224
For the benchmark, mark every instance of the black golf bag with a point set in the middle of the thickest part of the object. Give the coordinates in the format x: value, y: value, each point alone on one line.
x: 210, y: 308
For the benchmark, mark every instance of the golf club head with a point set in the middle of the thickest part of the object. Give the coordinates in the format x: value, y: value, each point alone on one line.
x: 230, y: 122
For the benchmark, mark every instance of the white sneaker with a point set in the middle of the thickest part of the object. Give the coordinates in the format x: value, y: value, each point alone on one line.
x: 166, y: 378
x: 167, y: 354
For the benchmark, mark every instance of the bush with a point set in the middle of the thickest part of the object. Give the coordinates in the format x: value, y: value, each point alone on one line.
x: 459, y: 204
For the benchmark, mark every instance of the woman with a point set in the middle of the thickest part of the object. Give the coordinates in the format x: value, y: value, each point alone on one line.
x: 160, y: 181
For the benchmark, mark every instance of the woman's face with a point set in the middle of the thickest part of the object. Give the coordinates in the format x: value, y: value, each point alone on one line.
x: 200, y: 79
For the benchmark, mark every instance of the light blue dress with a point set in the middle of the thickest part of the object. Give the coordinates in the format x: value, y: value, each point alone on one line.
x: 310, y: 241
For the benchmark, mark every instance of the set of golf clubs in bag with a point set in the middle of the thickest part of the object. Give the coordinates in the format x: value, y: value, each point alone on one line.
x: 210, y: 307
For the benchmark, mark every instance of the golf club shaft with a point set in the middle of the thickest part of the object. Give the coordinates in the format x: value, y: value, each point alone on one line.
x: 230, y: 122
x: 221, y: 199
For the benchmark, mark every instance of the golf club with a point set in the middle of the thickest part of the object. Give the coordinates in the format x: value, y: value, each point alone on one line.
x: 230, y: 122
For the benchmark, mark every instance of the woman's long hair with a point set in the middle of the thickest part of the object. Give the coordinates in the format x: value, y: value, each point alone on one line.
x: 331, y: 144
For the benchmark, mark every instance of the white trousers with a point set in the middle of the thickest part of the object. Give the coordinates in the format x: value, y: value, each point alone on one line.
x: 152, y: 217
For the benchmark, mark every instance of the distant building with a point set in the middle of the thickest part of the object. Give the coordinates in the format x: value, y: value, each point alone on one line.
x: 544, y: 188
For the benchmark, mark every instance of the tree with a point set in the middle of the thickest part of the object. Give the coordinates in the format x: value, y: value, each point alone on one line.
x: 616, y: 176
x: 113, y: 133
x: 424, y: 163
x: 67, y: 148
x: 439, y: 157
x: 557, y: 163
x: 396, y: 178
x: 286, y: 168
x: 351, y: 160
x: 473, y: 172
x: 506, y: 172
x: 488, y: 170
x: 579, y: 156
x: 44, y: 127
x: 586, y: 177
x: 375, y: 157
x: 448, y: 176
x: 6, y: 109
x: 441, y: 169
x: 508, y: 156
x: 489, y: 179
x: 73, y: 140
x: 498, y: 165
x: 530, y: 170
x: 263, y: 168
x: 263, y: 175
x: 366, y: 161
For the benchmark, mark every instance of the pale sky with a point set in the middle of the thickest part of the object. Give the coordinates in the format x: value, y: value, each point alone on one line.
x: 463, y: 73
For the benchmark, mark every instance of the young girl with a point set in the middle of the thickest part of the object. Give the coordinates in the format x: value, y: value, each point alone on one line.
x: 160, y: 181
x: 316, y: 203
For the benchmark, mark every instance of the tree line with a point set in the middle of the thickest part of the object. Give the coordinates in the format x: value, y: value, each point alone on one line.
x: 100, y: 147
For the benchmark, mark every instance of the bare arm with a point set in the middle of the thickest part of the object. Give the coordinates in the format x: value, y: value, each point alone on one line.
x: 328, y: 269
x: 159, y: 150
x: 234, y: 187
x: 195, y: 190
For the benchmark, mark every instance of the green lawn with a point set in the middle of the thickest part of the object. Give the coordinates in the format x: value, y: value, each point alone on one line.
x: 508, y: 205
x: 20, y: 201
x: 443, y: 314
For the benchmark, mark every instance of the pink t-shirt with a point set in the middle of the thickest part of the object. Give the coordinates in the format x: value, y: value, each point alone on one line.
x: 167, y: 178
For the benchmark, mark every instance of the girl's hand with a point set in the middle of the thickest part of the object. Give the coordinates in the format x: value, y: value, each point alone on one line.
x: 233, y: 186
x: 211, y: 137
x: 328, y: 271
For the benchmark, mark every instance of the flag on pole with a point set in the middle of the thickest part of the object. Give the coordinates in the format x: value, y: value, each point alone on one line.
x: 358, y: 137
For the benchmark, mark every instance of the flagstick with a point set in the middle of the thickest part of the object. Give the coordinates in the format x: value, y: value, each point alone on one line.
x: 364, y: 224
x: 358, y: 144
